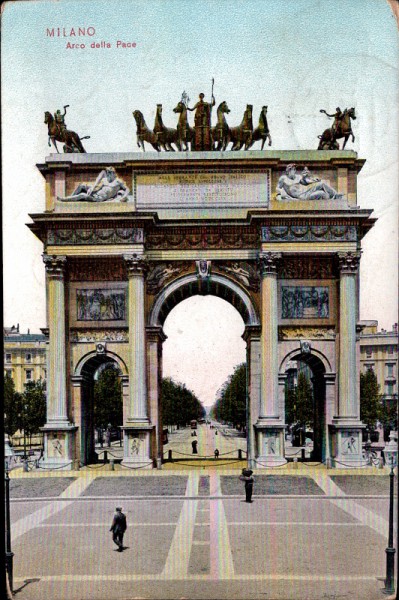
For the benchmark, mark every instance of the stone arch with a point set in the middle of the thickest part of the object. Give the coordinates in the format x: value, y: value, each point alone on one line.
x: 81, y: 366
x: 315, y: 359
x: 191, y: 285
x: 83, y: 398
x: 320, y: 367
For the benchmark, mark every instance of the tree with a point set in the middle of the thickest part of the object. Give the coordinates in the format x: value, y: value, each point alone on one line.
x: 179, y: 404
x: 12, y: 406
x: 370, y: 399
x: 231, y: 406
x: 34, y: 406
x: 299, y: 406
x: 108, y: 406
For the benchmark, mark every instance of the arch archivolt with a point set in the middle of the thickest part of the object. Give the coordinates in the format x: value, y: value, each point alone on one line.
x: 100, y: 357
x: 190, y: 285
x: 296, y: 354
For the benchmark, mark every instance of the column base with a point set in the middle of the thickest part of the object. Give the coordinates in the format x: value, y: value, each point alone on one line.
x: 270, y: 443
x: 346, y: 434
x: 59, y: 447
x: 136, y: 446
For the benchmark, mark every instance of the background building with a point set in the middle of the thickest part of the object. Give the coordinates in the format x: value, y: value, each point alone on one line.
x: 24, y: 356
x: 379, y: 352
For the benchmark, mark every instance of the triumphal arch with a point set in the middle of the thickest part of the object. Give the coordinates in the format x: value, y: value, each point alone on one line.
x: 128, y: 236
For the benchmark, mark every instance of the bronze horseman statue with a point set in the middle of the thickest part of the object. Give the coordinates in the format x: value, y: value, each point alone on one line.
x: 341, y: 128
x: 58, y: 132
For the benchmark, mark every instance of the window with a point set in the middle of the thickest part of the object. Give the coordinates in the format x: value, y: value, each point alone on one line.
x: 44, y: 373
x: 390, y: 349
x: 8, y: 358
x: 28, y: 357
x: 368, y: 352
x: 369, y: 368
x: 390, y: 372
x: 8, y: 372
x: 389, y: 389
x: 28, y: 375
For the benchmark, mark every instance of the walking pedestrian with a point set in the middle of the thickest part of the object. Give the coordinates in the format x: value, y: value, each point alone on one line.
x: 216, y: 453
x: 194, y: 446
x: 118, y: 528
x: 248, y: 479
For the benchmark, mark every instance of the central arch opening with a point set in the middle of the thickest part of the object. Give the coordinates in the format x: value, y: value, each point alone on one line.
x: 204, y: 345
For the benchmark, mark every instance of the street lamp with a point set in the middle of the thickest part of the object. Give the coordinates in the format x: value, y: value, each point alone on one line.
x: 9, y: 554
x: 391, y: 453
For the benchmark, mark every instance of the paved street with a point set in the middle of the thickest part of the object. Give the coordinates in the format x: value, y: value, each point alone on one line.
x: 309, y: 534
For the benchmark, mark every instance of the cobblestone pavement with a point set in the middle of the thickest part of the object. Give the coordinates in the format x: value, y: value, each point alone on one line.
x: 367, y: 484
x: 308, y: 535
x: 272, y: 484
x: 39, y: 487
x: 137, y: 486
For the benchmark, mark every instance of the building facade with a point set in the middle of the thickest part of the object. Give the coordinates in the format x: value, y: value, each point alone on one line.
x: 25, y: 357
x: 379, y: 353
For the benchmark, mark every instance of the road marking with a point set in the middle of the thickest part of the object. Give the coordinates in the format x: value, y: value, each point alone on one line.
x: 198, y: 577
x: 221, y: 558
x: 232, y: 523
x: 362, y: 514
x: 29, y: 522
x: 178, y: 559
x: 293, y: 523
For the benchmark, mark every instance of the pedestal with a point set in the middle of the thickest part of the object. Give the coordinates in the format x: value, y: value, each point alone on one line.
x: 347, y: 444
x: 136, y: 446
x: 270, y: 444
x: 59, y: 447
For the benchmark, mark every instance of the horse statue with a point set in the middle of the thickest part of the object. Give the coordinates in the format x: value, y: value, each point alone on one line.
x: 165, y: 135
x: 144, y: 134
x: 342, y: 129
x: 185, y: 133
x: 70, y: 139
x: 262, y: 131
x: 221, y: 132
x: 242, y: 135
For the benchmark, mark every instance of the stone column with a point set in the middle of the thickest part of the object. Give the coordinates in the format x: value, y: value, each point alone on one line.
x: 155, y: 339
x: 269, y: 335
x: 348, y: 400
x: 136, y: 267
x: 137, y: 428
x: 58, y: 442
x: 270, y: 424
x: 56, y: 395
x: 348, y: 427
x: 252, y: 337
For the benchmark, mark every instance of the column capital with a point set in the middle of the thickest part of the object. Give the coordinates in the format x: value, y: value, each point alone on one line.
x: 155, y: 334
x: 251, y: 332
x: 136, y: 264
x: 55, y: 265
x: 348, y: 262
x: 268, y: 262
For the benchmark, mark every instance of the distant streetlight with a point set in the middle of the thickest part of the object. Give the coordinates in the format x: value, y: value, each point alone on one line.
x: 391, y: 454
x: 9, y: 554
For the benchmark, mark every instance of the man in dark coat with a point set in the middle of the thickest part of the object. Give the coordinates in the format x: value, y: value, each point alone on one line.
x: 118, y: 528
x: 249, y: 483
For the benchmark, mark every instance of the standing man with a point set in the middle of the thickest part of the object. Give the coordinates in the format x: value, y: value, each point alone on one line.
x: 118, y: 528
x: 249, y: 483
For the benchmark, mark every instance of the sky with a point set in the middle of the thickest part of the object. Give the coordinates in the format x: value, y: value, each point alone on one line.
x: 296, y: 56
